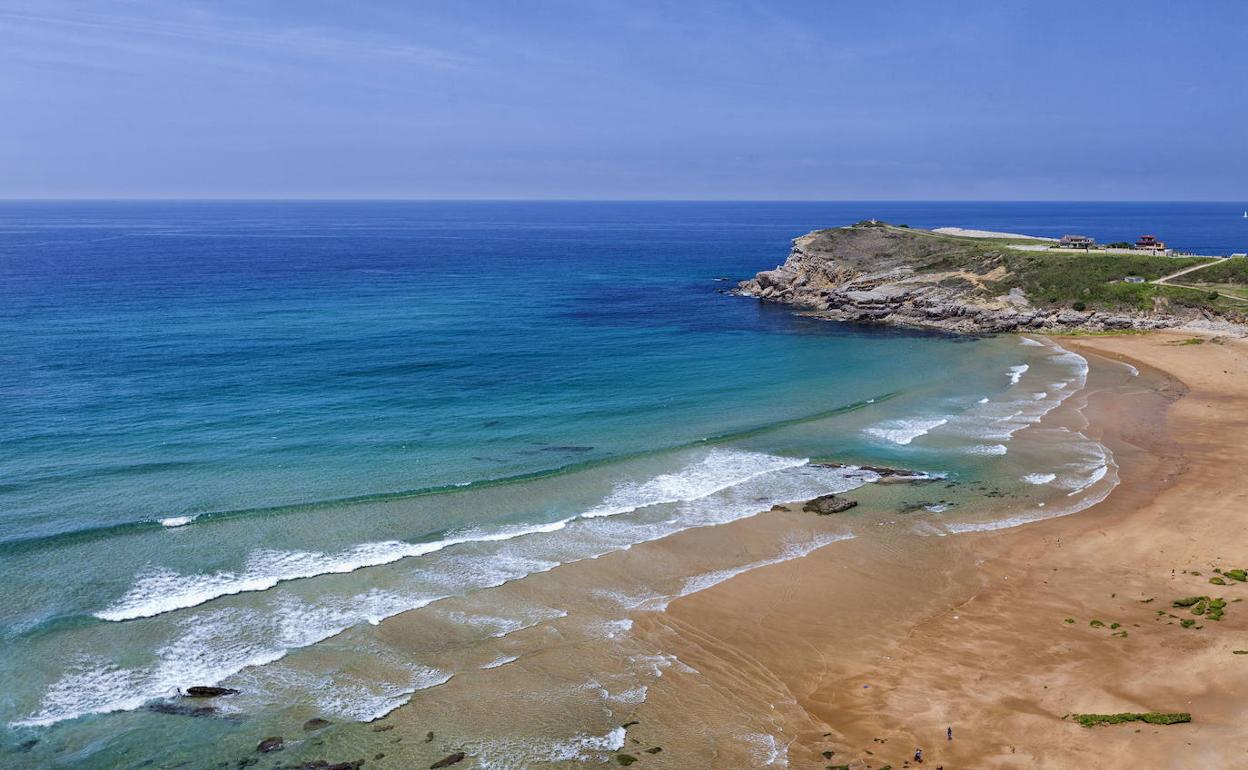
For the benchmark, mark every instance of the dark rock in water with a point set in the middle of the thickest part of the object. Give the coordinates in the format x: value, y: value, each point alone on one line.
x: 26, y: 746
x: 355, y: 765
x: 447, y: 761
x: 778, y: 507
x: 382, y: 728
x: 316, y: 724
x: 826, y: 504
x: 247, y: 762
x: 182, y: 711
x: 209, y: 692
x: 654, y: 750
x: 627, y: 725
x: 429, y: 737
x: 267, y: 745
x: 885, y: 473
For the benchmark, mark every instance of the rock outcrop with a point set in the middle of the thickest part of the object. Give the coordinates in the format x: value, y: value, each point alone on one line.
x: 877, y: 273
x: 828, y: 504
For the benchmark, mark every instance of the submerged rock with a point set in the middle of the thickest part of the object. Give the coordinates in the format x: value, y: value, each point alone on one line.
x: 826, y: 504
x: 177, y: 709
x: 209, y: 692
x: 447, y: 761
x: 316, y: 724
x: 267, y: 745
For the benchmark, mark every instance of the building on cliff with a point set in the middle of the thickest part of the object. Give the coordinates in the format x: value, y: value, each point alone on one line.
x: 1076, y: 242
x: 1150, y: 244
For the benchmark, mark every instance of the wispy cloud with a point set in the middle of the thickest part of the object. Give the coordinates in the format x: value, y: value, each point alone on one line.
x: 169, y: 30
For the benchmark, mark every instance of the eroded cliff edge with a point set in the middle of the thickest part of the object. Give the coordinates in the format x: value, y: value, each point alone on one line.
x: 878, y: 273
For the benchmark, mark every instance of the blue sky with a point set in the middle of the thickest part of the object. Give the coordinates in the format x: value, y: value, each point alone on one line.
x: 581, y: 99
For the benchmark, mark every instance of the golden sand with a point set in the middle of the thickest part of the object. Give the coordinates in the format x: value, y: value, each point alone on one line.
x: 868, y: 653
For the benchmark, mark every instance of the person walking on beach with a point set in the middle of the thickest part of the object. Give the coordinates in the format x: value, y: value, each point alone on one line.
x: 918, y: 755
x: 949, y: 733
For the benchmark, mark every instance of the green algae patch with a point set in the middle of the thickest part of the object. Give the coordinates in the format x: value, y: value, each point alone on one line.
x: 1236, y: 574
x: 625, y: 759
x: 1212, y: 609
x: 1149, y: 717
x: 1217, y: 581
x: 1069, y: 620
x: 1096, y: 624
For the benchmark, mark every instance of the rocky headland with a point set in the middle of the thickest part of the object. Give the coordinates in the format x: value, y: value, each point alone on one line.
x: 873, y: 272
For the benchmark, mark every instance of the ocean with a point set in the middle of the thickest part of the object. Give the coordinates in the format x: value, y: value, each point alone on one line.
x: 244, y: 442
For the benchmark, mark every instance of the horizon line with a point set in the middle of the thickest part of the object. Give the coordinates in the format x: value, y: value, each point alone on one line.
x: 260, y: 199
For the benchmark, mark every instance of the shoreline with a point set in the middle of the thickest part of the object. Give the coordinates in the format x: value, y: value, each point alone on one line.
x: 988, y: 650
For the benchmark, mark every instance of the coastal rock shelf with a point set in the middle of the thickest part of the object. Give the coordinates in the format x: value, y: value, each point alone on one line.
x: 877, y: 273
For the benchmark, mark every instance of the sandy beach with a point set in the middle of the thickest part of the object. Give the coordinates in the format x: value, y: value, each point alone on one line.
x: 866, y: 653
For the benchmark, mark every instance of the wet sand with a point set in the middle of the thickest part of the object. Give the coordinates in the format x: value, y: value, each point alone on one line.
x: 868, y: 652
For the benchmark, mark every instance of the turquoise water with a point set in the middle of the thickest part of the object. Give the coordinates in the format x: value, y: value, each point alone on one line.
x: 254, y: 428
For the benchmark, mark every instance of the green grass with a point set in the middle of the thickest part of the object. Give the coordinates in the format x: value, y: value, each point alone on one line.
x: 1060, y: 278
x: 1230, y: 271
x: 1150, y: 717
x: 1095, y: 279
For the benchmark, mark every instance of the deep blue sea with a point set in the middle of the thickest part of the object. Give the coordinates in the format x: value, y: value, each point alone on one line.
x: 232, y: 432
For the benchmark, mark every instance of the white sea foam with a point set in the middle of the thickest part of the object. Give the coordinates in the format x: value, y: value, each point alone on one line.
x: 369, y: 700
x: 521, y: 753
x: 238, y: 644
x: 1016, y: 373
x: 162, y: 590
x: 176, y: 521
x: 1101, y: 469
x: 1096, y: 475
x: 791, y: 551
x: 720, y: 469
x: 501, y: 661
x: 767, y: 751
x: 1039, y: 478
x: 497, y: 626
x: 987, y: 449
x: 903, y: 431
x: 1028, y: 341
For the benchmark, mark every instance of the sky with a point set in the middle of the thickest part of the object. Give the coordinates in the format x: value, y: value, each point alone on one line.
x: 628, y: 99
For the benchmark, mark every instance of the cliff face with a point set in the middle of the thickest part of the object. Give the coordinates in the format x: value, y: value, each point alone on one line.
x: 891, y: 275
